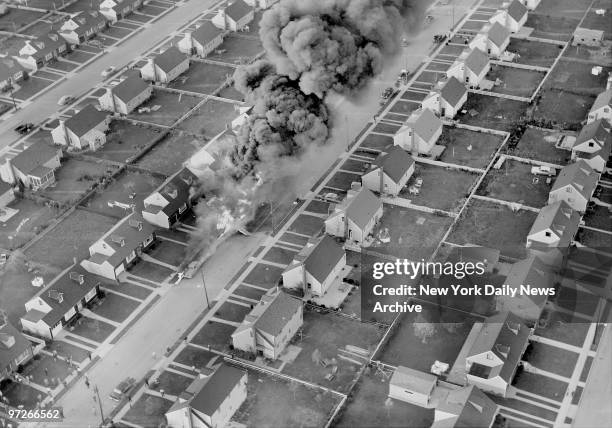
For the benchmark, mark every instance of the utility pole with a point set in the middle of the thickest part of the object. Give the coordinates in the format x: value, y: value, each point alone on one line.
x: 204, y: 286
x: 95, y: 388
x: 13, y: 97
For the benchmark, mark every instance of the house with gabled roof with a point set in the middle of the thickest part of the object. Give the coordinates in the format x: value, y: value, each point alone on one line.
x: 126, y: 96
x: 496, y: 351
x: 530, y: 4
x: 420, y: 132
x: 261, y: 4
x: 593, y: 144
x: 15, y: 349
x: 575, y: 185
x: 602, y: 107
x: 389, y: 172
x: 412, y: 386
x: 34, y: 54
x: 202, y: 41
x: 555, y: 227
x: 85, y: 130
x: 315, y: 267
x: 512, y: 15
x: 34, y: 167
x: 465, y: 407
x: 470, y: 67
x: 211, y: 401
x: 165, y: 206
x: 234, y: 17
x: 447, y: 98
x: 492, y: 39
x: 356, y: 216
x: 269, y: 327
x: 82, y: 27
x: 120, y: 247
x: 11, y: 72
x: 165, y: 67
x: 114, y: 10
x: 54, y: 306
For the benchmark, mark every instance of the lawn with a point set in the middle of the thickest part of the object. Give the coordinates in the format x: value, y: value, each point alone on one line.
x: 494, y: 226
x: 173, y: 107
x: 342, y: 181
x: 151, y: 271
x: 599, y: 217
x: 214, y: 334
x: 115, y: 307
x: 210, y: 119
x: 191, y: 356
x: 404, y: 107
x: 571, y: 8
x: 129, y: 289
x: 535, y: 53
x: 551, y: 27
x: 26, y: 224
x: 172, y: 383
x: 323, y: 337
x: 540, y: 385
x: 169, y: 252
x: 125, y: 140
x: 307, y: 225
x: 17, y: 18
x: 377, y: 142
x: 69, y: 239
x: 148, y: 411
x: 562, y: 328
x: 238, y: 50
x: 280, y: 255
x: 576, y: 77
x: 407, y: 346
x: 231, y: 93
x: 515, y: 81
x: 443, y: 188
x: 594, y: 239
x: 249, y: 292
x: 598, y: 22
x: 563, y: 108
x: 539, y: 144
x: 92, y: 329
x: 469, y: 148
x: 552, y: 359
x: 492, y: 112
x: 202, y: 77
x: 30, y: 87
x: 370, y: 406
x: 168, y: 155
x: 386, y: 128
x: 68, y: 350
x: 513, y: 182
x: 47, y: 371
x: 273, y: 402
x: 232, y: 312
x: 263, y: 275
x: 79, y: 55
x: 75, y: 178
x: 414, y: 234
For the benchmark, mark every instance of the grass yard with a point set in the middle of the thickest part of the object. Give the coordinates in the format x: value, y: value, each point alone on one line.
x: 377, y: 142
x: 280, y: 255
x: 494, y: 226
x: 443, y: 188
x: 273, y: 402
x: 551, y: 27
x: 576, y: 77
x: 68, y: 350
x: 414, y: 234
x: 30, y: 87
x: 172, y: 383
x: 493, y: 112
x: 263, y: 275
x: 562, y: 327
x: 323, y: 337
x: 307, y: 225
x: 552, y: 359
x: 571, y: 8
x: 168, y: 155
x: 17, y: 18
x: 232, y: 312
x: 115, y: 307
x: 599, y: 217
x: 598, y: 22
x: 210, y: 119
x: 540, y: 385
x: 563, y: 108
x: 539, y: 144
x: 404, y: 107
x: 513, y: 182
x: 173, y: 107
x: 238, y: 50
x: 26, y: 224
x: 594, y: 239
x: 70, y: 238
x: 151, y: 271
x: 214, y: 334
x: 370, y: 406
x: 79, y: 55
x: 249, y: 292
x: 535, y: 53
x: 195, y: 357
x: 125, y: 140
x: 342, y: 181
x: 56, y: 370
x: 469, y: 148
x: 202, y: 77
x: 148, y: 411
x: 231, y: 93
x: 169, y: 252
x: 515, y: 81
x: 92, y: 329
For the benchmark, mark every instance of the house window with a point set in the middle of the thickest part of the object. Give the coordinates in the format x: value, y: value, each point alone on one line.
x: 548, y: 234
x: 591, y: 144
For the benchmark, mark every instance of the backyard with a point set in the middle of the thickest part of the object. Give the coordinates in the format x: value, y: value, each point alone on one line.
x: 531, y: 52
x: 125, y: 140
x: 237, y: 50
x: 148, y: 411
x: 210, y: 119
x: 168, y: 155
x: 29, y: 221
x: 539, y: 144
x: 552, y: 27
x: 564, y: 108
x: 515, y: 81
x: 172, y: 107
x: 492, y: 112
x: 202, y: 77
x: 469, y: 148
x: 215, y: 334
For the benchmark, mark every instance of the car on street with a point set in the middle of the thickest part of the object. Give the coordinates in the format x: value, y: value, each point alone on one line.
x: 66, y: 99
x: 108, y: 71
x: 24, y: 128
x: 122, y: 389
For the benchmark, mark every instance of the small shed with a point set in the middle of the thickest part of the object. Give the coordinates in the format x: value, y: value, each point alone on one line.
x: 587, y: 37
x: 412, y: 386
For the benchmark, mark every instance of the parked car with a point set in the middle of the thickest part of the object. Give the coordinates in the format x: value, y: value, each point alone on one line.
x: 122, y: 389
x: 108, y: 71
x: 24, y: 128
x: 543, y: 170
x: 66, y: 99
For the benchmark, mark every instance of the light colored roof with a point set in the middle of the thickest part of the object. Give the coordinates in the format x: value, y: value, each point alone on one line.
x: 603, y: 151
x: 216, y: 389
x: 516, y: 10
x: 413, y: 380
x: 452, y: 91
x: 603, y: 100
x: 323, y: 257
x: 237, y: 10
x: 170, y: 59
x: 498, y: 34
x: 206, y: 32
x: 424, y: 123
x: 471, y: 407
x: 395, y: 163
x: 579, y: 175
x: 476, y: 61
x: 560, y: 218
x: 531, y: 271
x: 85, y: 120
x: 597, y: 130
x: 360, y: 209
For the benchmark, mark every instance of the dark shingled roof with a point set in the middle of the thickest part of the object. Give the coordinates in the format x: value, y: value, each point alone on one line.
x: 498, y: 34
x: 517, y: 10
x: 216, y: 389
x: 33, y: 157
x: 362, y: 207
x: 395, y: 163
x: 278, y: 312
x: 603, y: 100
x: 85, y: 120
x: 597, y: 130
x: 579, y: 175
x: 9, y: 353
x: 471, y: 407
x: 206, y: 32
x: 170, y: 59
x: 323, y: 258
x: 237, y: 10
x: 130, y: 88
x: 453, y: 91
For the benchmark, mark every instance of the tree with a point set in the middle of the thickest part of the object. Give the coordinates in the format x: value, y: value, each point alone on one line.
x: 423, y: 329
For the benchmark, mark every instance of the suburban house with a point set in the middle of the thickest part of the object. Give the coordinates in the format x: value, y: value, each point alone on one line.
x: 243, y: 116
x: 355, y: 217
x: 587, y: 37
x: 126, y: 96
x: 11, y: 72
x: 470, y: 67
x: 85, y: 130
x: 492, y: 39
x: 389, y: 172
x: 555, y: 227
x: 447, y: 98
x: 82, y: 27
x: 33, y: 168
x: 204, y: 40
x: 7, y: 195
x: 234, y: 17
x: 120, y: 247
x: 593, y: 144
x: 575, y: 185
x: 420, y: 132
x: 530, y: 4
x: 316, y: 267
x: 269, y: 327
x: 115, y: 10
x: 210, y: 402
x: 530, y: 271
x: 58, y: 303
x: 165, y: 206
x: 15, y: 348
x: 512, y: 15
x: 165, y: 67
x: 465, y: 407
x: 495, y: 353
x: 412, y: 386
x: 601, y: 108
x: 43, y: 49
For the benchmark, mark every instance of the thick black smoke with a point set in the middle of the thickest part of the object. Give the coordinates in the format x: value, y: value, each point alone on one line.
x: 312, y: 47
